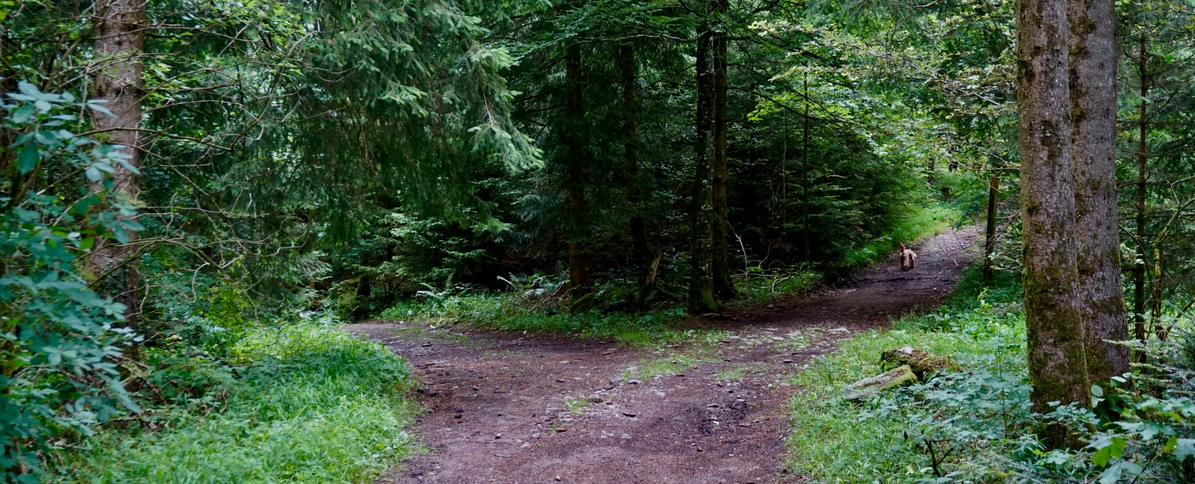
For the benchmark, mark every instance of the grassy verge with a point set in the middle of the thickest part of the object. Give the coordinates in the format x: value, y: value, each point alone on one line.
x: 834, y: 440
x: 307, y: 403
x: 921, y: 222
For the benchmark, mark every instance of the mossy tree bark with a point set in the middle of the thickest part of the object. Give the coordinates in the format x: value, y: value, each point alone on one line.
x: 119, y: 44
x: 723, y: 285
x: 701, y: 280
x: 1056, y: 347
x: 580, y: 284
x: 1092, y: 85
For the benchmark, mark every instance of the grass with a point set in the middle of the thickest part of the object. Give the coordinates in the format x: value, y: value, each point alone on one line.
x: 739, y: 372
x: 312, y: 404
x: 758, y: 287
x: 507, y: 312
x: 837, y: 441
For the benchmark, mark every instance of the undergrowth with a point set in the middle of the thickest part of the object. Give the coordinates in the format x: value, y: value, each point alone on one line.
x: 538, y: 303
x: 976, y: 425
x: 303, y: 402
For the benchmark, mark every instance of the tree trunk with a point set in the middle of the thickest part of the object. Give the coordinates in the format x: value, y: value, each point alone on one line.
x: 578, y: 267
x: 643, y: 254
x: 701, y: 281
x: 723, y: 285
x: 805, y: 176
x: 1139, y: 300
x: 119, y: 42
x: 1093, y: 153
x: 1056, y: 351
x: 989, y: 243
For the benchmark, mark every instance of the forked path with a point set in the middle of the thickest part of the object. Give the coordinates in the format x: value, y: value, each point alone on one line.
x: 516, y: 409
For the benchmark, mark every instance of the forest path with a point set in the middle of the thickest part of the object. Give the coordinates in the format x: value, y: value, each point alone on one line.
x: 512, y: 409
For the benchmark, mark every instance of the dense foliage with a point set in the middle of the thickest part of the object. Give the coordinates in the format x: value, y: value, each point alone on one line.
x: 58, y: 337
x: 600, y: 168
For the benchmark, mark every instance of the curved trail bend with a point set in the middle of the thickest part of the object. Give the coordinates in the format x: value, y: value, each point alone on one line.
x: 514, y: 409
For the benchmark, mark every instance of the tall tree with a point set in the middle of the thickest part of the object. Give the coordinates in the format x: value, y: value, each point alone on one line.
x: 1139, y: 198
x: 643, y: 254
x: 723, y: 285
x: 119, y: 44
x: 578, y: 264
x: 1056, y: 346
x: 701, y: 281
x: 1093, y: 152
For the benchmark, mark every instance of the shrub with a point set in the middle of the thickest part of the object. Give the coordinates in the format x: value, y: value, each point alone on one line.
x: 58, y: 338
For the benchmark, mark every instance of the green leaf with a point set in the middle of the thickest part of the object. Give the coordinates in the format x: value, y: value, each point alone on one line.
x: 133, y: 226
x: 28, y: 159
x: 28, y: 88
x: 1109, y: 448
x: 22, y: 114
x: 86, y: 243
x: 97, y: 105
x: 1113, y: 474
x: 1184, y: 448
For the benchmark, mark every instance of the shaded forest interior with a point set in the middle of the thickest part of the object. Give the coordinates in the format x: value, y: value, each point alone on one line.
x: 197, y: 193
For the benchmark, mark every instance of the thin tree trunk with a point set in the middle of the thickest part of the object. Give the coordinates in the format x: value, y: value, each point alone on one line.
x: 1093, y: 153
x: 989, y: 243
x: 1139, y: 299
x: 119, y: 43
x: 578, y: 266
x: 701, y: 281
x: 723, y: 285
x: 805, y: 176
x: 1056, y: 351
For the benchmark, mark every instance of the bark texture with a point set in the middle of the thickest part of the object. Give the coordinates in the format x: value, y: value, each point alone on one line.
x: 1057, y: 354
x: 578, y: 264
x: 1093, y: 151
x: 701, y: 280
x: 723, y: 285
x: 119, y: 43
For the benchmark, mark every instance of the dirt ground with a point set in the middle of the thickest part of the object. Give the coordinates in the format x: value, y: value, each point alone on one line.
x: 514, y: 409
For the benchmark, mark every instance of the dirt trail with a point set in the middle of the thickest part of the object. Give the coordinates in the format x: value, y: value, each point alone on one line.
x: 519, y: 410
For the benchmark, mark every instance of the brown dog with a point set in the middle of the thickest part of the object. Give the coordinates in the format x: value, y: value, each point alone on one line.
x: 908, y: 258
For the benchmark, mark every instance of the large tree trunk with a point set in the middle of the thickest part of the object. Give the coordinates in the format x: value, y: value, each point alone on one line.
x: 1056, y: 351
x: 578, y: 265
x: 701, y: 281
x: 1093, y: 153
x: 646, y: 257
x: 119, y: 43
x: 723, y: 285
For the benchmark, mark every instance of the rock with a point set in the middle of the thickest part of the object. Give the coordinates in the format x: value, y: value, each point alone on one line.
x: 873, y: 385
x: 923, y: 364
